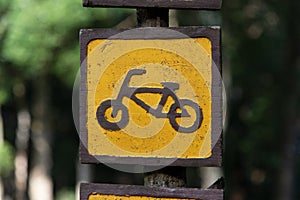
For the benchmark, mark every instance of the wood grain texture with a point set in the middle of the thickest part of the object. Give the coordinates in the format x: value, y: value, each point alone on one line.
x: 213, y: 34
x: 87, y: 189
x: 177, y: 4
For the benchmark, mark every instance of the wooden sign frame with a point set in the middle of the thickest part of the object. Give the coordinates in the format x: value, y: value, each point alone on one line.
x: 176, y: 4
x: 87, y: 189
x: 213, y: 34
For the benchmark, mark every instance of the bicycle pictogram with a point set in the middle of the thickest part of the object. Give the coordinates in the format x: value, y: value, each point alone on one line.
x: 176, y: 110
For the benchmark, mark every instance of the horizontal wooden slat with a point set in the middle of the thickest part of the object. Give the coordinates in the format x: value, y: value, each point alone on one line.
x: 177, y: 4
x: 119, y: 191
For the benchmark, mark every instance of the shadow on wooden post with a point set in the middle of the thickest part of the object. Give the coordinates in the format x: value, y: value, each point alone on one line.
x: 152, y: 17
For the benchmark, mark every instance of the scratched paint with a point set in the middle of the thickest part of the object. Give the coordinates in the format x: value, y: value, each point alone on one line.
x: 146, y: 135
x: 116, y: 197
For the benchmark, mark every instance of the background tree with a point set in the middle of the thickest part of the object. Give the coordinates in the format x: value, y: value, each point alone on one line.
x: 261, y: 46
x: 40, y: 51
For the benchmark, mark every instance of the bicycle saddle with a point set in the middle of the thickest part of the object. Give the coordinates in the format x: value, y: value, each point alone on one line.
x: 171, y: 85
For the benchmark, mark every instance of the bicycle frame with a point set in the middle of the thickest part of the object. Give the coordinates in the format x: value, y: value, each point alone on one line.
x: 166, y: 91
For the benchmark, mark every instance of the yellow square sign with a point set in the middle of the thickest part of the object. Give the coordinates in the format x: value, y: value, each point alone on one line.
x: 150, y: 93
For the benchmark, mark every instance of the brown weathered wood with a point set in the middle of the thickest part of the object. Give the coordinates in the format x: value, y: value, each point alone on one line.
x: 213, y: 33
x: 179, y: 4
x: 87, y: 189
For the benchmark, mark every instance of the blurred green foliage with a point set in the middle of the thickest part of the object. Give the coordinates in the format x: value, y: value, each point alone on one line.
x: 261, y: 68
x: 259, y: 41
x: 42, y: 37
x: 65, y: 194
x: 6, y: 159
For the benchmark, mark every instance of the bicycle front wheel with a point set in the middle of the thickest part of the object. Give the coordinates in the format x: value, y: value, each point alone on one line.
x: 183, y: 104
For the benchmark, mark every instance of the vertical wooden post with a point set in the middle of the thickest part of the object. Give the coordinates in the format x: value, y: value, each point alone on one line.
x: 152, y: 17
x: 168, y: 176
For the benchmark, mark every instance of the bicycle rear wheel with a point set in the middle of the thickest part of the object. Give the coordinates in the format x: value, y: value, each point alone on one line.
x: 109, y: 124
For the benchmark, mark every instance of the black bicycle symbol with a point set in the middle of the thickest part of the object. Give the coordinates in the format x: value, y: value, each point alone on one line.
x: 176, y: 110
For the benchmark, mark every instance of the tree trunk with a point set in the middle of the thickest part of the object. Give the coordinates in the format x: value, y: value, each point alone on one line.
x: 40, y: 182
x: 21, y: 160
x: 290, y: 108
x: 1, y: 141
